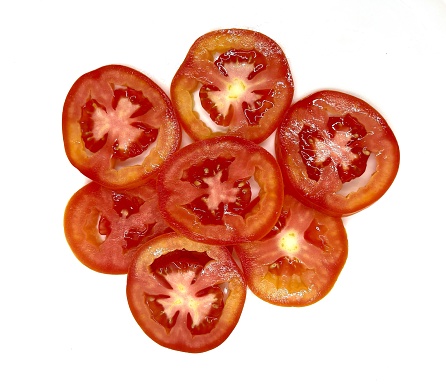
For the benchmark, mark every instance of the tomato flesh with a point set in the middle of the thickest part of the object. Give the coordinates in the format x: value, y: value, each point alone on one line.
x: 212, y: 176
x: 185, y: 295
x: 179, y: 271
x: 240, y: 66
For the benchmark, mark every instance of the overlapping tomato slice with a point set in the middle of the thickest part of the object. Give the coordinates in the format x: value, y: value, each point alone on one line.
x: 223, y: 191
x: 118, y: 126
x: 336, y: 152
x: 104, y: 227
x: 299, y: 261
x: 232, y: 82
x: 185, y: 295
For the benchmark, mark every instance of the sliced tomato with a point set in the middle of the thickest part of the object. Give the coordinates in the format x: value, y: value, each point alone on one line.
x: 337, y: 153
x: 223, y: 190
x: 232, y: 82
x: 299, y: 261
x: 185, y: 295
x: 118, y: 126
x: 104, y: 227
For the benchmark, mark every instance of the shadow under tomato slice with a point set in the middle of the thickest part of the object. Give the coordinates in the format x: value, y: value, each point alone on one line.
x: 299, y: 261
x: 185, y: 295
x: 104, y: 227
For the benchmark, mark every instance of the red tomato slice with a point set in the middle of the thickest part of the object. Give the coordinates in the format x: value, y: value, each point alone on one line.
x: 232, y: 82
x: 299, y: 261
x: 223, y: 191
x: 104, y: 227
x: 337, y: 153
x: 185, y: 295
x: 118, y: 126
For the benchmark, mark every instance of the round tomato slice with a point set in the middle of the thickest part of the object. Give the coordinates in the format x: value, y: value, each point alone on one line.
x: 299, y: 261
x: 104, y: 227
x: 223, y: 190
x: 336, y: 152
x: 118, y: 126
x: 185, y: 295
x: 232, y: 82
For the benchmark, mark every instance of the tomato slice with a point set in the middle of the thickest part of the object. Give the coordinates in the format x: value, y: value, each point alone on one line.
x: 232, y: 82
x: 104, y: 227
x: 185, y: 295
x: 299, y: 261
x: 223, y: 190
x: 336, y: 152
x: 118, y: 126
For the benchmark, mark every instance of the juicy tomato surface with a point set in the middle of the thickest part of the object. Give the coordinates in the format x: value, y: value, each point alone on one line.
x: 299, y: 261
x: 222, y: 191
x: 232, y: 82
x: 103, y: 227
x: 118, y: 126
x: 185, y: 295
x: 336, y: 152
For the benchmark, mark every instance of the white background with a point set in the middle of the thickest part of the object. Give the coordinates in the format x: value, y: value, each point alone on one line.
x: 383, y: 325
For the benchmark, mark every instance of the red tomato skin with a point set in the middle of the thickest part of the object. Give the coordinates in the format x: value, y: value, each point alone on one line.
x: 313, y: 112
x: 221, y: 269
x: 90, y: 209
x: 300, y: 262
x: 250, y: 160
x: 98, y: 165
x: 198, y: 69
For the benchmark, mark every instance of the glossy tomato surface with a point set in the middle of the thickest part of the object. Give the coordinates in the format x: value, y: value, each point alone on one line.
x: 222, y: 191
x: 118, y: 126
x: 337, y: 153
x: 104, y: 227
x: 232, y: 82
x: 299, y: 261
x: 185, y: 295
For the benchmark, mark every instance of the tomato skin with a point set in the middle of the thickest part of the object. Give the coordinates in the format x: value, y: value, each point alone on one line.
x: 246, y: 90
x: 181, y: 296
x: 298, y: 263
x: 104, y: 227
x: 311, y: 117
x: 118, y: 126
x: 179, y: 191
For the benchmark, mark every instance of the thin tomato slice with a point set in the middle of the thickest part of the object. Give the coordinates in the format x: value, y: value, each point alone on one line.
x: 232, y: 82
x: 223, y: 191
x: 104, y: 227
x: 337, y: 153
x: 185, y: 295
x: 299, y: 261
x: 118, y: 126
